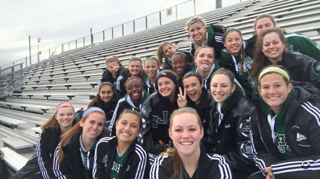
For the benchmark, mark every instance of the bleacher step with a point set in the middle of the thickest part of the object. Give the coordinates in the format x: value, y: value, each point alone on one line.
x: 18, y: 144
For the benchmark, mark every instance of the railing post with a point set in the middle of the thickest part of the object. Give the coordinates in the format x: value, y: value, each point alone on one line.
x: 49, y: 52
x: 112, y: 32
x: 160, y: 17
x: 76, y: 44
x: 134, y: 26
x: 176, y: 12
x: 104, y: 37
x: 146, y: 22
x: 62, y: 47
x: 194, y: 6
x: 91, y: 35
x: 69, y: 45
x: 122, y: 30
x: 26, y: 61
x: 84, y: 44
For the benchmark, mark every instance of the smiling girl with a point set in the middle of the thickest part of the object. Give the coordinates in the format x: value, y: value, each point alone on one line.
x: 187, y: 159
x: 156, y: 110
x: 229, y: 125
x: 285, y: 128
x: 297, y: 43
x: 106, y: 99
x: 166, y: 50
x: 73, y: 157
x: 180, y: 64
x: 196, y: 96
x: 234, y: 57
x: 202, y: 35
x: 132, y: 100
x: 115, y: 73
x: 60, y: 122
x: 271, y: 50
x: 120, y: 156
x: 151, y: 68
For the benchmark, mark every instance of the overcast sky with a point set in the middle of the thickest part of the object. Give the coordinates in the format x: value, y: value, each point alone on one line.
x: 60, y: 21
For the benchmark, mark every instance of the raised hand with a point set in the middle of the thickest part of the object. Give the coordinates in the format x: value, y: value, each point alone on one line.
x: 182, y: 98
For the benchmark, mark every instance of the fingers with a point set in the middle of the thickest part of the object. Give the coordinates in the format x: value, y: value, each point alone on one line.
x: 185, y: 93
x: 180, y: 91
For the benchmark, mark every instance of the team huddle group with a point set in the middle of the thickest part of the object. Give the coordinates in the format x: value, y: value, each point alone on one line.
x: 228, y: 108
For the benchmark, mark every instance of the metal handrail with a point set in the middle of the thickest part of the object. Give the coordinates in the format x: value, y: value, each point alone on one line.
x: 82, y: 41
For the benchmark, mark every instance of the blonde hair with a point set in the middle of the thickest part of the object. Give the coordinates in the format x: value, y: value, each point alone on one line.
x: 195, y: 19
x: 53, y: 122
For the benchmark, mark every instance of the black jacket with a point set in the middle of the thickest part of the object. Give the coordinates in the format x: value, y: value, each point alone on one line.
x: 110, y: 106
x: 45, y: 147
x: 71, y: 166
x: 302, y: 130
x: 156, y: 111
x: 204, y: 107
x: 300, y: 68
x: 231, y: 137
x: 215, y: 34
x: 121, y: 77
x: 135, y: 165
x: 124, y: 103
x: 209, y: 167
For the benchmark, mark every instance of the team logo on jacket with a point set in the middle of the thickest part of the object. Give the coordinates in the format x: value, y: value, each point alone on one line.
x: 246, y: 150
x: 105, y: 160
x: 301, y: 137
x: 244, y: 127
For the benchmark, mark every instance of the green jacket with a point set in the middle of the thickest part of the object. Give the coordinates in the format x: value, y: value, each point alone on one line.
x: 299, y: 43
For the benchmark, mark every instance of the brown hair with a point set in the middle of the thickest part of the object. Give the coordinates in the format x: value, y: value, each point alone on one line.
x: 242, y: 51
x: 66, y: 137
x: 259, y: 57
x: 262, y: 16
x: 131, y: 112
x: 52, y: 122
x: 136, y: 59
x: 226, y: 72
x: 97, y: 98
x: 177, y: 163
x: 117, y: 60
x: 160, y: 53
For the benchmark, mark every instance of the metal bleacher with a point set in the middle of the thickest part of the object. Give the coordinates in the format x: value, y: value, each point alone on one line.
x: 74, y: 75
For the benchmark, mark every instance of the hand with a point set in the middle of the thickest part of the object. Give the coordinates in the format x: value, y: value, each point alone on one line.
x: 268, y: 172
x: 1, y: 153
x: 182, y: 99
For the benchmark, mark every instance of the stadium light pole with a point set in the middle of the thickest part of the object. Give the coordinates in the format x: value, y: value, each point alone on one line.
x: 39, y: 40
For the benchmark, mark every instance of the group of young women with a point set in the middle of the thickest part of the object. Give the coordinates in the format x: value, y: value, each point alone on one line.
x: 228, y: 108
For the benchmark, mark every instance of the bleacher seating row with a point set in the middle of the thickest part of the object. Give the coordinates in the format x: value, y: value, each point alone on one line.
x: 73, y: 75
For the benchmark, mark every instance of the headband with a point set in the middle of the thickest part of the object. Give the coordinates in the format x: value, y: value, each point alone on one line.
x: 113, y: 60
x: 168, y: 75
x: 178, y: 53
x: 194, y: 21
x: 64, y: 105
x: 274, y: 69
x: 135, y: 59
x: 92, y: 109
x: 151, y: 58
x: 229, y: 31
